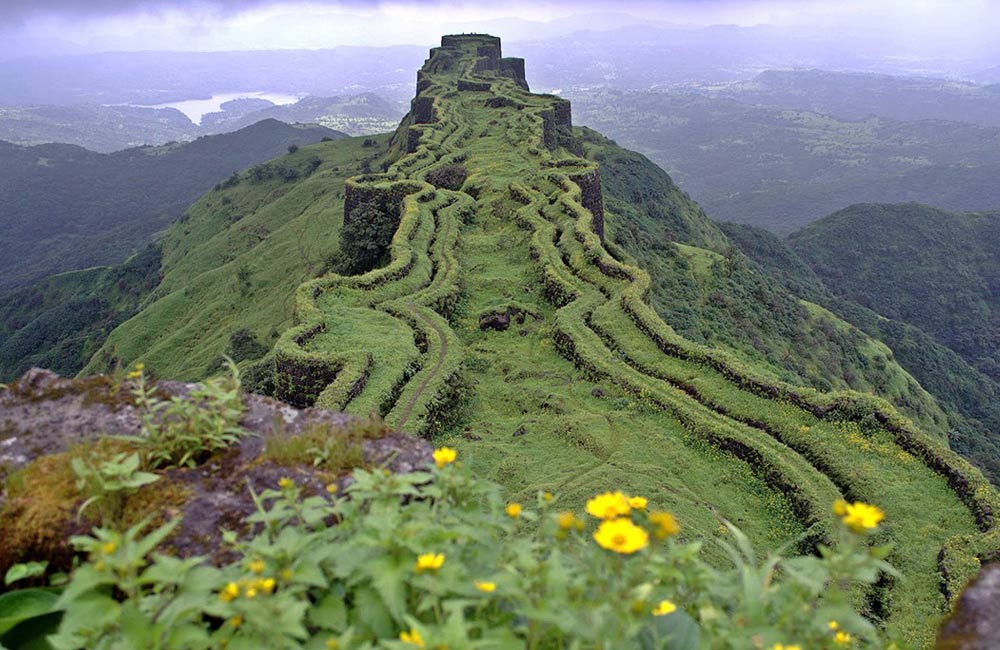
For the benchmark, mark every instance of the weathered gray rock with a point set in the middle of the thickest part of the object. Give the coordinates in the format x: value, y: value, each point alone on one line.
x: 43, y: 415
x: 975, y: 624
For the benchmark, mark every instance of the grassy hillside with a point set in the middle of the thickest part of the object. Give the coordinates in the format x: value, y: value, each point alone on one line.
x: 66, y: 208
x: 233, y: 262
x: 780, y: 167
x: 970, y: 398
x: 504, y: 308
x: 935, y: 270
x: 59, y: 322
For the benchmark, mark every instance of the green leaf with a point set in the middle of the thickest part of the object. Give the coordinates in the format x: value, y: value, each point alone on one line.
x: 329, y: 614
x: 676, y: 631
x: 32, y: 634
x: 17, y: 606
x: 26, y: 570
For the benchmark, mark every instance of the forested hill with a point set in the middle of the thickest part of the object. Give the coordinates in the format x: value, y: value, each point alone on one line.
x: 64, y: 208
x: 566, y: 317
x: 937, y: 270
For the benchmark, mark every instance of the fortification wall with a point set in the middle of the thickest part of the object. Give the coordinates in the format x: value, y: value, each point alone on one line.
x: 591, y: 197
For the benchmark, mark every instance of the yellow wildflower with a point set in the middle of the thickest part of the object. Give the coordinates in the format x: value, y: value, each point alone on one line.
x: 429, y: 562
x: 621, y: 536
x: 860, y: 517
x: 566, y: 520
x: 286, y: 574
x: 486, y: 587
x: 140, y: 366
x: 266, y: 585
x: 833, y: 625
x: 332, y: 644
x: 547, y: 496
x: 109, y: 547
x: 412, y: 637
x: 285, y: 483
x: 665, y: 607
x: 331, y: 488
x: 638, y: 503
x: 609, y: 505
x: 444, y: 456
x: 230, y: 592
x: 842, y: 638
x: 236, y: 621
x: 664, y: 524
x: 780, y: 646
x: 513, y: 510
x: 257, y: 566
x: 135, y: 374
x: 250, y: 592
x: 840, y: 507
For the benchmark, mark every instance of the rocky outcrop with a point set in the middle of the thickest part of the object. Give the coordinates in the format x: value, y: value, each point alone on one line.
x: 45, y: 419
x: 975, y: 623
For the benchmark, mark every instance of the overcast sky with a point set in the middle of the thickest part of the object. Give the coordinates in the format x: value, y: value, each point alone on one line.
x: 959, y: 28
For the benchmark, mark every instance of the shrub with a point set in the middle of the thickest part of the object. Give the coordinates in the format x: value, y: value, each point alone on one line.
x: 292, y: 148
x: 448, y: 177
x: 182, y: 431
x: 438, y: 559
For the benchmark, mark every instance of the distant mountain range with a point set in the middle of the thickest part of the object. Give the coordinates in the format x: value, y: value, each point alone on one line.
x: 113, y: 128
x: 63, y: 207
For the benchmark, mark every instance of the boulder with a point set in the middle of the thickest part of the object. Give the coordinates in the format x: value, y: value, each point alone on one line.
x: 45, y: 418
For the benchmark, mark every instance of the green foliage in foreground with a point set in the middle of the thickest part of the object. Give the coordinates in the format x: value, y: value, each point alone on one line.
x: 436, y: 559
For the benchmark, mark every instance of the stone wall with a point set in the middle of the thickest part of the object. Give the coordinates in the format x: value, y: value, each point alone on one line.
x: 591, y: 197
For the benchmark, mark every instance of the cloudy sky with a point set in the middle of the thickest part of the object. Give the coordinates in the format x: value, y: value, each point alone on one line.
x: 947, y: 27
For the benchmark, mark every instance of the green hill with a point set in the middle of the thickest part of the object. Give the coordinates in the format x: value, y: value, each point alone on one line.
x: 936, y: 270
x: 66, y: 208
x: 558, y: 310
x: 970, y: 398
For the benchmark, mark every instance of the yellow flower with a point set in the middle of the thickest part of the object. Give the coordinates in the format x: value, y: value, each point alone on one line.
x: 444, y: 456
x: 266, y: 585
x: 780, y: 646
x: 665, y: 607
x: 609, y: 505
x: 230, y: 592
x: 513, y: 510
x: 109, y: 547
x: 621, y: 536
x: 286, y: 574
x: 332, y: 644
x: 412, y: 637
x: 638, y: 503
x: 664, y: 524
x: 236, y: 621
x: 250, y: 592
x: 257, y: 566
x: 840, y: 507
x: 331, y: 488
x: 486, y: 587
x: 429, y: 562
x: 285, y: 483
x: 842, y: 638
x: 860, y: 517
x: 140, y: 366
x: 135, y: 374
x: 547, y: 496
x: 566, y: 520
x: 833, y: 625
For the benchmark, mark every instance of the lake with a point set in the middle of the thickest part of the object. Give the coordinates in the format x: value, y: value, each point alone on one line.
x: 195, y: 109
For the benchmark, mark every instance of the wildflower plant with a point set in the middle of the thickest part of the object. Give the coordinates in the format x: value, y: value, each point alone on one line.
x: 435, y: 559
x: 181, y: 431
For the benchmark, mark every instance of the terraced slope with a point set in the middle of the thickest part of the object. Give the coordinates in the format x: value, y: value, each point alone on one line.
x: 587, y: 388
